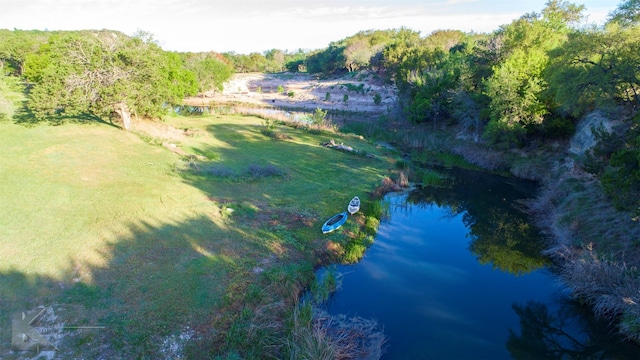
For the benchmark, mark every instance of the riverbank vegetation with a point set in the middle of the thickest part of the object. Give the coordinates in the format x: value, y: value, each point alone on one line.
x: 513, y: 101
x: 234, y: 202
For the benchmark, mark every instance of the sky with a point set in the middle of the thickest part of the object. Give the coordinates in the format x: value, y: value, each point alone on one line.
x: 245, y: 26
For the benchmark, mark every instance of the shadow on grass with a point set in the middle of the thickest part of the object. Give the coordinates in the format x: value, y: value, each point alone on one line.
x: 317, y: 179
x: 158, y: 281
x: 24, y: 116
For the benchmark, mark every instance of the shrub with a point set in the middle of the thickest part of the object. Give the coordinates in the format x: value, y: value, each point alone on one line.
x: 401, y: 164
x: 377, y: 99
x: 268, y: 127
x: 257, y: 171
x: 221, y: 171
x: 318, y: 117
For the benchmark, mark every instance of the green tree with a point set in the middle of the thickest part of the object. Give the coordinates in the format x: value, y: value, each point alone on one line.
x: 360, y: 51
x: 318, y: 117
x: 377, y: 98
x: 517, y: 85
x: 275, y: 60
x: 210, y: 69
x: 400, y: 57
x: 105, y: 74
x: 597, y: 68
x: 627, y: 13
x: 16, y: 45
x: 621, y: 177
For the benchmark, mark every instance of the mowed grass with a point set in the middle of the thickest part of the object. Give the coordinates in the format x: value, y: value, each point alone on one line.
x: 112, y: 230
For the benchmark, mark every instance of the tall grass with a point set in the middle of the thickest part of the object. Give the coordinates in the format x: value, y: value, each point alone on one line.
x: 597, y: 247
x: 326, y: 337
x: 291, y: 118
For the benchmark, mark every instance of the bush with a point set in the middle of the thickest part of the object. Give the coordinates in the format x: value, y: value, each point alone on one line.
x: 318, y: 117
x: 257, y: 171
x: 377, y: 99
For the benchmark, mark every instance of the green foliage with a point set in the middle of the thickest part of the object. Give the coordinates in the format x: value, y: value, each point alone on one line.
x: 358, y: 52
x: 268, y: 127
x: 517, y: 86
x: 401, y: 164
x: 15, y: 47
x: 377, y: 98
x: 103, y: 74
x: 371, y: 225
x: 374, y: 209
x: 322, y: 288
x: 607, y: 143
x: 622, y: 180
x: 271, y: 61
x: 345, y: 98
x: 211, y: 70
x: 355, y: 88
x: 626, y: 14
x: 431, y: 178
x: 319, y: 116
x: 280, y: 89
x: 619, y: 161
x: 594, y: 69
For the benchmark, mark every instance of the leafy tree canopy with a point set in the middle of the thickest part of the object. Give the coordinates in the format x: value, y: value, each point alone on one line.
x: 103, y: 74
x: 627, y: 13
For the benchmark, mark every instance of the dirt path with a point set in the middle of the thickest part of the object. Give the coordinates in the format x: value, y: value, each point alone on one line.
x: 304, y: 91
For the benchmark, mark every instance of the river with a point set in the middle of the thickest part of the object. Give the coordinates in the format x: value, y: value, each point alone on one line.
x: 456, y: 272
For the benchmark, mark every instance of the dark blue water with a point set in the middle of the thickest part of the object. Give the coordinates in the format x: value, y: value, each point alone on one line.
x: 455, y: 272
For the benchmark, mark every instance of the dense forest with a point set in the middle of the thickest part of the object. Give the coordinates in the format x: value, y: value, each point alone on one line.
x: 525, y: 84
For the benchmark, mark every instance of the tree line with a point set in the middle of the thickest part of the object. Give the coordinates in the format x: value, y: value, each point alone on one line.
x: 527, y: 82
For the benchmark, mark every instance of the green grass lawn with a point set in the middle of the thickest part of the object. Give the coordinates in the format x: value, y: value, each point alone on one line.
x: 107, y: 228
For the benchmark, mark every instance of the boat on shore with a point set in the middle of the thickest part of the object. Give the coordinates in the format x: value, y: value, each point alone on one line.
x: 334, y: 222
x: 354, y: 205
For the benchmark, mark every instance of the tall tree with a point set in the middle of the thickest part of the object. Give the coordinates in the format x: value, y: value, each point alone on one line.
x: 211, y: 70
x: 517, y: 84
x: 105, y: 74
x: 597, y: 68
x: 627, y: 13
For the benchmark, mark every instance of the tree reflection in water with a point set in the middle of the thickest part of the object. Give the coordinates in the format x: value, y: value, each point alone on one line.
x: 499, y: 235
x: 565, y: 331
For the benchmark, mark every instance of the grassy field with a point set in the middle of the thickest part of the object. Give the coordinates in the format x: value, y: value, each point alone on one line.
x: 192, y: 236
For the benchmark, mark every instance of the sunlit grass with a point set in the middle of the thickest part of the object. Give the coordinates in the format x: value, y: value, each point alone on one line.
x: 115, y: 223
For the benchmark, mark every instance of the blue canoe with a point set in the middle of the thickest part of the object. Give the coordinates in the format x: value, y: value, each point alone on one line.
x: 334, y: 222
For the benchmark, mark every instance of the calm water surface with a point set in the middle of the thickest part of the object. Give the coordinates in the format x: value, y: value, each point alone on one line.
x: 455, y: 272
